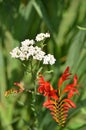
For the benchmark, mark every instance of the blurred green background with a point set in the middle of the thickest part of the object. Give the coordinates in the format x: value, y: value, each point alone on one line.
x: 23, y: 19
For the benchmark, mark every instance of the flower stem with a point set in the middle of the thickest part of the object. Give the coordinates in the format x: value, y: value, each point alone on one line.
x: 33, y: 78
x: 34, y: 100
x: 33, y: 107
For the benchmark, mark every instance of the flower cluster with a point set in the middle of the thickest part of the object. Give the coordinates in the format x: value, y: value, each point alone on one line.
x: 42, y: 36
x: 29, y: 49
x: 19, y: 89
x: 58, y: 101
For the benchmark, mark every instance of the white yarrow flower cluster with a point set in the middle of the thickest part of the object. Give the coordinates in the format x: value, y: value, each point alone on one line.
x: 42, y: 36
x: 28, y: 42
x: 49, y: 59
x: 15, y: 52
x: 29, y: 49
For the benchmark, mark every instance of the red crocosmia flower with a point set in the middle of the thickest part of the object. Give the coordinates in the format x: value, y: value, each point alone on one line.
x: 21, y: 88
x: 46, y: 89
x: 71, y: 88
x: 19, y: 85
x: 48, y: 103
x: 69, y: 102
x: 15, y: 91
x: 65, y: 76
x: 58, y: 101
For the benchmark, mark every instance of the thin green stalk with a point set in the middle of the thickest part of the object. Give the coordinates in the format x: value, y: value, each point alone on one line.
x: 33, y: 78
x: 34, y: 100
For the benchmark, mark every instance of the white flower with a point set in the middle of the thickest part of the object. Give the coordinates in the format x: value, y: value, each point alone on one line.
x: 39, y: 54
x: 47, y: 35
x: 15, y: 52
x: 49, y: 59
x: 35, y: 52
x: 27, y: 42
x: 42, y: 36
x: 37, y: 49
x: 24, y: 48
x: 31, y: 51
x: 27, y: 50
x: 22, y: 56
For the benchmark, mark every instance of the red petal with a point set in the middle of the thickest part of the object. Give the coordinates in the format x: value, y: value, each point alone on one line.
x: 64, y: 77
x: 75, y: 79
x: 68, y: 88
x: 47, y: 86
x: 67, y: 106
x: 48, y: 103
x: 67, y: 70
x: 70, y: 102
x: 41, y: 80
x: 71, y: 93
x: 41, y: 89
x: 53, y: 94
x: 60, y: 82
x: 54, y: 97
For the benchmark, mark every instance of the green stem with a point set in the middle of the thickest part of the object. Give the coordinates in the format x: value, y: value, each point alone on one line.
x: 34, y: 99
x: 33, y: 77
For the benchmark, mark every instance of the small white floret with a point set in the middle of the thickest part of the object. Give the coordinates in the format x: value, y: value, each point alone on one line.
x: 15, y: 52
x: 49, y: 59
x: 42, y: 36
x: 27, y: 42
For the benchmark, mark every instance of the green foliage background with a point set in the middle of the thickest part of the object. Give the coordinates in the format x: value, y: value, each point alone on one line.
x: 22, y: 19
